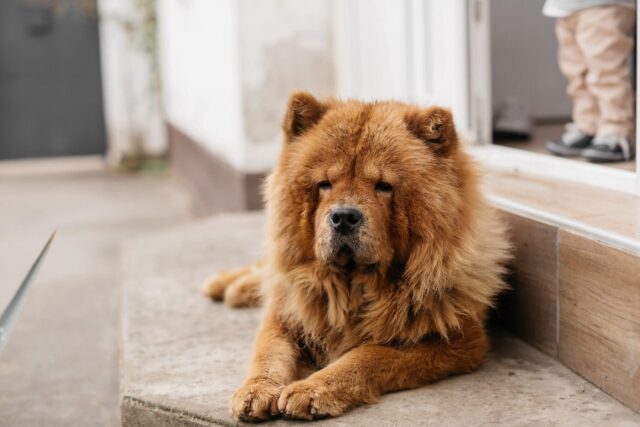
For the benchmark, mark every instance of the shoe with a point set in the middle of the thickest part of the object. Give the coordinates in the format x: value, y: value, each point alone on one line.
x: 609, y: 148
x: 512, y: 120
x: 572, y: 142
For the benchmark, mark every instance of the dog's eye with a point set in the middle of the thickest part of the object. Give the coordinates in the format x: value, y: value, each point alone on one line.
x: 324, y: 185
x: 383, y: 187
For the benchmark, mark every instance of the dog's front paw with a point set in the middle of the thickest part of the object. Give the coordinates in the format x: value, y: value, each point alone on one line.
x: 310, y: 399
x: 256, y: 401
x: 215, y: 286
x: 237, y: 288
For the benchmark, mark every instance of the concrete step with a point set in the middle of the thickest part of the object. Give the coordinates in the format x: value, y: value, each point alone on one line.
x: 183, y: 356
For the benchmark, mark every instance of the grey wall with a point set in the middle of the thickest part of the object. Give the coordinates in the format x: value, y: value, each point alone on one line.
x: 524, y: 58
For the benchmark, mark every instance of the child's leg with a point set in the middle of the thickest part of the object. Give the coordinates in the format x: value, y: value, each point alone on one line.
x: 574, y: 67
x: 604, y: 35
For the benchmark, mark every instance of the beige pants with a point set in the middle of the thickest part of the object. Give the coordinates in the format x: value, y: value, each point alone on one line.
x: 595, y: 44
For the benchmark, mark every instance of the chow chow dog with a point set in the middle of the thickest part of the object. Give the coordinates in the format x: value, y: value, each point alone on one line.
x: 381, y: 263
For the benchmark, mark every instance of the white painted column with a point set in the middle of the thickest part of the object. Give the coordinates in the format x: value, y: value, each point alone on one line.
x: 132, y: 111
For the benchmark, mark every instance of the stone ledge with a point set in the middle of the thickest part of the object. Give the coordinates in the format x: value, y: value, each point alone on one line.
x: 136, y: 412
x: 183, y: 356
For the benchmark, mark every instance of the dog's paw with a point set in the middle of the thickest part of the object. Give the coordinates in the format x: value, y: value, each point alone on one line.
x: 215, y: 285
x: 237, y: 288
x: 244, y: 292
x: 309, y: 399
x: 256, y: 401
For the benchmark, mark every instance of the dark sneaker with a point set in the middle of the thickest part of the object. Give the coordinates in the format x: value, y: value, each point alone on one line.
x: 572, y: 142
x: 609, y: 148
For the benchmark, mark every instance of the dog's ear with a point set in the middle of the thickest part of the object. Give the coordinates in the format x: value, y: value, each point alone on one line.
x: 303, y: 112
x: 434, y: 126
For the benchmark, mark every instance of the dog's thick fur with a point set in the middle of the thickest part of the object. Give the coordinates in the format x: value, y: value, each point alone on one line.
x: 397, y: 305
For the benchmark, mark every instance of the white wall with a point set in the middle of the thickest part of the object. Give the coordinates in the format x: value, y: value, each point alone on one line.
x: 228, y: 68
x: 201, y: 73
x: 524, y: 58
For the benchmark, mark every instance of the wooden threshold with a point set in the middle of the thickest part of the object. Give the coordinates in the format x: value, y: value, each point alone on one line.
x: 602, y: 214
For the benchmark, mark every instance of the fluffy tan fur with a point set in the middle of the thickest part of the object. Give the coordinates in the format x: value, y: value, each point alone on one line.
x: 405, y: 303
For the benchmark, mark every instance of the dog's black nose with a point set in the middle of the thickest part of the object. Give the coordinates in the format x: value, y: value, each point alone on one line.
x: 345, y: 220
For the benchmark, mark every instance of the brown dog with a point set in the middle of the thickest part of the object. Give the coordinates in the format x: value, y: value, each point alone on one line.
x: 382, y: 260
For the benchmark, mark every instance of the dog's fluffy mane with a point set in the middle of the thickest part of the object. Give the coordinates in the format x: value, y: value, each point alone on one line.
x: 447, y: 268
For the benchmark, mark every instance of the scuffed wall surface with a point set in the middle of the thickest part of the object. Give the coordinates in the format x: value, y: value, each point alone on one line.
x: 229, y: 66
x: 285, y: 45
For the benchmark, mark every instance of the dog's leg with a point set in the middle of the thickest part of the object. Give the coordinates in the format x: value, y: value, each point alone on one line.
x: 275, y: 359
x: 366, y: 372
x: 238, y: 288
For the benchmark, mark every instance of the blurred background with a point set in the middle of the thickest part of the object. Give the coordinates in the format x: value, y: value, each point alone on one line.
x: 125, y: 117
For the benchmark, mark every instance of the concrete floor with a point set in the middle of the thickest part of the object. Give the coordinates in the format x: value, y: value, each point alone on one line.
x: 60, y: 366
x: 183, y: 356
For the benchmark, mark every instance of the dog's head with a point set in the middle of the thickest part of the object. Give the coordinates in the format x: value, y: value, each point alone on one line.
x: 366, y: 185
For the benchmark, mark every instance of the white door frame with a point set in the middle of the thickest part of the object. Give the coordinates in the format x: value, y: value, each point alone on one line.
x: 479, y: 71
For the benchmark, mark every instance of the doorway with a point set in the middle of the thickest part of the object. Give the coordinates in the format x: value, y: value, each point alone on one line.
x: 526, y: 80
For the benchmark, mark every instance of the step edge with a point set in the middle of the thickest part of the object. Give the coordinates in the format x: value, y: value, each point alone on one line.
x: 169, y: 411
x: 609, y: 238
